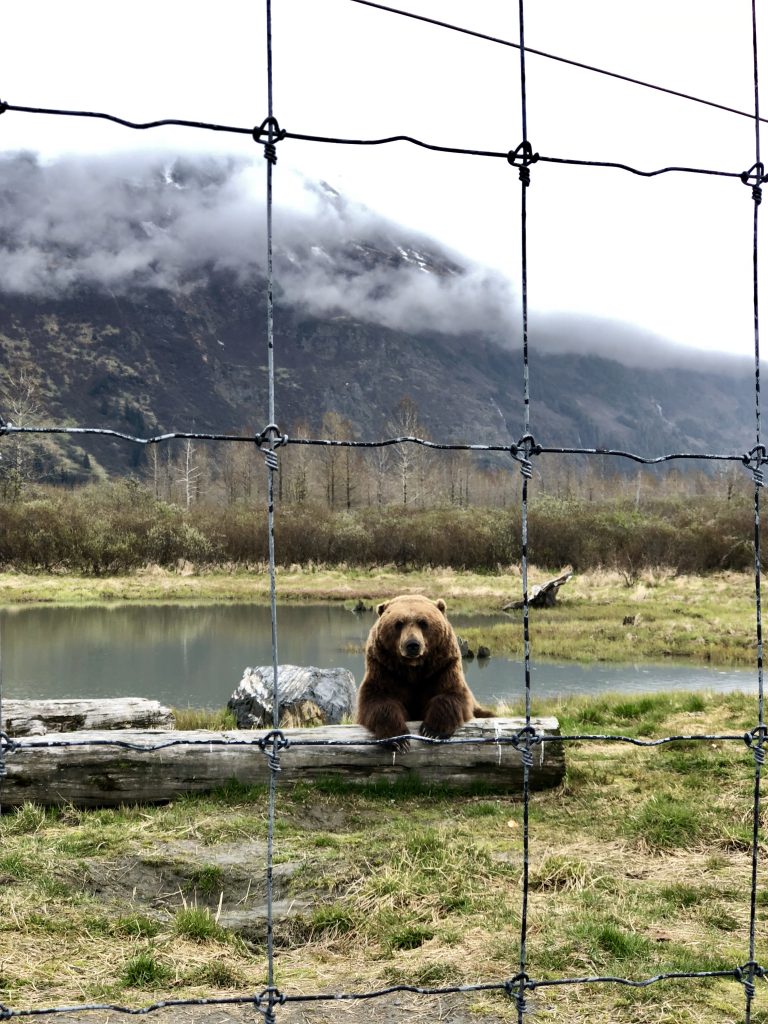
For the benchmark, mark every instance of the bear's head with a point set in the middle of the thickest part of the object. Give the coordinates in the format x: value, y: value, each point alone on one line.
x: 413, y: 629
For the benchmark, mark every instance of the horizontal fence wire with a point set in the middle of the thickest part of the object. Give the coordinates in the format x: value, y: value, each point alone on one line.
x: 754, y: 738
x: 522, y: 451
x: 265, y: 134
x: 274, y: 742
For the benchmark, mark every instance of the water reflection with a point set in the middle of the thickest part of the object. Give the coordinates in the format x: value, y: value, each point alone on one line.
x: 194, y: 655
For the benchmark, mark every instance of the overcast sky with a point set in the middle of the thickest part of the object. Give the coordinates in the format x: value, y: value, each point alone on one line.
x: 671, y: 254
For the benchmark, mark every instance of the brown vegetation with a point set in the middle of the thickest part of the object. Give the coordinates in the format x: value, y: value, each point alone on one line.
x: 117, y: 527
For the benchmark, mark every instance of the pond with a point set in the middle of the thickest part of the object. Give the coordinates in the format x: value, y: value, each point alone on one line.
x: 194, y: 655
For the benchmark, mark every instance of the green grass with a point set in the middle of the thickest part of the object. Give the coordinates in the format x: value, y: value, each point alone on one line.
x: 188, y: 719
x: 144, y: 970
x: 198, y: 924
x: 666, y: 823
x: 207, y: 880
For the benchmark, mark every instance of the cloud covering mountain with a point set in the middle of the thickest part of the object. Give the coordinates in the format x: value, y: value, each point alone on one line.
x: 129, y: 223
x: 135, y: 290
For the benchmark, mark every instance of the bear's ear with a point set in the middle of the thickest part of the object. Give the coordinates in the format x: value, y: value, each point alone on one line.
x: 380, y: 607
x: 441, y: 605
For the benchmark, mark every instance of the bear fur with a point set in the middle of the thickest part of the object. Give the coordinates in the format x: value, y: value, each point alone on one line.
x: 413, y: 672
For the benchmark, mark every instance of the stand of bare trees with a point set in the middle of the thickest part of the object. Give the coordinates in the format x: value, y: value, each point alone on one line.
x: 408, y: 476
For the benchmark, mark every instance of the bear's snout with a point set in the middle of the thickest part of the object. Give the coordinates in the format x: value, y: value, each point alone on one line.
x: 412, y: 648
x: 412, y: 644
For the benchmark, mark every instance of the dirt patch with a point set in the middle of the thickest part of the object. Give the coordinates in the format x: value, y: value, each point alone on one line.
x: 396, y: 1009
x: 229, y: 880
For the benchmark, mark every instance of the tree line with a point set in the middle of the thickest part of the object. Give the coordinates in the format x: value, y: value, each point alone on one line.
x: 119, y: 526
x: 405, y: 504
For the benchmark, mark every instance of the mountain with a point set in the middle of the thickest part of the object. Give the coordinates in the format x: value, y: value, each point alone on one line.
x: 149, y: 315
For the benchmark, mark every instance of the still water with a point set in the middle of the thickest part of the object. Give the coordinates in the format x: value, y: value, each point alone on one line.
x: 194, y: 656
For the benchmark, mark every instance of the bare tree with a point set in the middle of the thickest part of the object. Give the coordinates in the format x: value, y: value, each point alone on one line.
x: 190, y: 474
x: 338, y: 465
x: 381, y: 462
x: 295, y: 467
x: 20, y: 396
x: 408, y: 457
x: 237, y: 471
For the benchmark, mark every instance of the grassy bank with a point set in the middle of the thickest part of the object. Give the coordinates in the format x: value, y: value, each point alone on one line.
x: 640, y: 864
x: 600, y: 615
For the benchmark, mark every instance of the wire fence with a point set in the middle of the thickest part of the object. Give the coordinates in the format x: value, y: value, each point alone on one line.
x: 519, y: 984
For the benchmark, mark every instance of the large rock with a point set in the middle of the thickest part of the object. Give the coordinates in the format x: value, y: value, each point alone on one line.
x: 306, y: 696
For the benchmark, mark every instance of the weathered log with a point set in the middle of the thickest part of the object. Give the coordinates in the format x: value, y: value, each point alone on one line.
x: 102, y: 769
x: 543, y: 595
x: 38, y: 717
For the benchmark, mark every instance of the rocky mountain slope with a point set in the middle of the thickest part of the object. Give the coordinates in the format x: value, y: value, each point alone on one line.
x: 118, y: 330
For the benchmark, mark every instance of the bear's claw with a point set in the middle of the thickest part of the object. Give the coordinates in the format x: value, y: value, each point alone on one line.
x: 434, y: 734
x: 399, y: 746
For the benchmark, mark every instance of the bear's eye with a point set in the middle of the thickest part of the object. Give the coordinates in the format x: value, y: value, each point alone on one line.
x: 399, y: 623
x: 422, y: 624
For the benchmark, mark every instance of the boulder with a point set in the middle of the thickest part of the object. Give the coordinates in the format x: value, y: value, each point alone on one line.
x: 306, y: 696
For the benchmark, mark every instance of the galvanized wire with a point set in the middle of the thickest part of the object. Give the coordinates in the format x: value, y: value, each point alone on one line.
x: 277, y: 134
x: 754, y: 457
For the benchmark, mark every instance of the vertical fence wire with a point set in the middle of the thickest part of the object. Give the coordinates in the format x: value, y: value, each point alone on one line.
x: 3, y: 768
x: 272, y: 467
x: 758, y: 748
x: 526, y: 751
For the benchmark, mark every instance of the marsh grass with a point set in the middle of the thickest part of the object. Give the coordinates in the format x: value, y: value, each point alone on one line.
x: 640, y: 864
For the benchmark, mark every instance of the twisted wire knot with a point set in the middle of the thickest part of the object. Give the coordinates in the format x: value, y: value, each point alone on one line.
x: 3, y: 108
x: 3, y: 423
x: 523, y: 741
x: 522, y: 452
x: 522, y: 158
x: 755, y: 177
x: 271, y: 435
x: 755, y: 740
x: 515, y: 989
x: 274, y: 133
x: 754, y: 460
x: 273, y: 997
x: 746, y: 975
x: 271, y: 745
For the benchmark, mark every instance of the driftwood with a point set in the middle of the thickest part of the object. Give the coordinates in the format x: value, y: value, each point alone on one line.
x: 79, y: 769
x: 543, y: 595
x: 38, y: 717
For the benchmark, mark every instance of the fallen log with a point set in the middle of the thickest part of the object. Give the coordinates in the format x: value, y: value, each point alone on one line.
x: 543, y: 595
x: 38, y: 717
x: 105, y: 769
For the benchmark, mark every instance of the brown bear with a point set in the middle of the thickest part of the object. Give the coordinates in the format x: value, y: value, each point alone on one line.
x: 413, y: 672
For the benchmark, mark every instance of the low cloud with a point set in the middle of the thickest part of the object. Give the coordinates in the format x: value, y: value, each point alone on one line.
x: 128, y: 223
x: 123, y: 224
